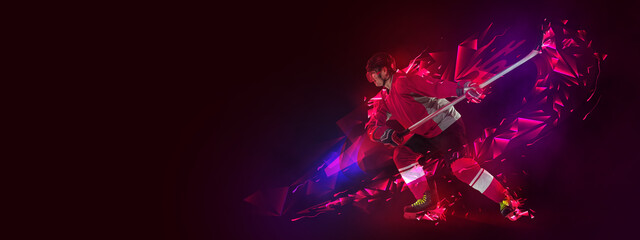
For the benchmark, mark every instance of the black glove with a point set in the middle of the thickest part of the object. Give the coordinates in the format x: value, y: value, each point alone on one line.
x: 391, y: 137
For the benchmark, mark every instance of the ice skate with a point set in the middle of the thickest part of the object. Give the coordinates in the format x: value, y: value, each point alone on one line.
x: 512, y: 209
x: 420, y: 207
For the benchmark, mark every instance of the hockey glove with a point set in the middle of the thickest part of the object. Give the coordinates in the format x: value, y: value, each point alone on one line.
x: 391, y: 137
x: 472, y: 91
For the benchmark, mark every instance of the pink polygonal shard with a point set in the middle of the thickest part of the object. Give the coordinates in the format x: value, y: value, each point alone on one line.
x: 333, y: 167
x: 380, y: 185
x: 562, y: 68
x: 569, y: 81
x: 508, y: 134
x: 525, y: 124
x: 471, y: 43
x: 361, y: 195
x: 349, y: 123
x: 371, y: 192
x: 540, y: 118
x: 499, y: 145
x: 548, y: 39
x: 532, y: 133
x: 582, y: 34
x: 559, y: 100
x: 319, y: 188
x: 466, y: 51
x: 477, y: 145
x: 489, y: 131
x: 269, y: 202
x: 601, y: 56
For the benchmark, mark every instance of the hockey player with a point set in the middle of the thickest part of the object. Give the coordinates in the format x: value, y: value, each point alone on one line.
x: 406, y: 99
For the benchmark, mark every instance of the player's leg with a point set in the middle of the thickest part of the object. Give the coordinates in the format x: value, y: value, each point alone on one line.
x: 469, y: 172
x: 414, y: 176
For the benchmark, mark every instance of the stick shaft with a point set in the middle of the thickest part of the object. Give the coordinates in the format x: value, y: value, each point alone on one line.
x: 484, y: 84
x: 432, y: 115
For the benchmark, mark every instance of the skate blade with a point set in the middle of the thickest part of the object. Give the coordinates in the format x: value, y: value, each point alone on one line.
x: 429, y: 217
x: 517, y: 214
x: 424, y: 215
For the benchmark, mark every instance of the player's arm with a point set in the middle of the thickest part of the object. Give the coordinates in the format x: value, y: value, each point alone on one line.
x: 431, y: 87
x: 377, y: 124
x: 377, y: 128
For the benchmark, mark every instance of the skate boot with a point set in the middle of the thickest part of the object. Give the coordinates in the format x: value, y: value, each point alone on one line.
x: 510, y: 208
x: 418, y: 208
x: 506, y: 207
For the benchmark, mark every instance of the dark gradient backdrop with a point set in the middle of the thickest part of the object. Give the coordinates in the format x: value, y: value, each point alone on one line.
x: 240, y: 95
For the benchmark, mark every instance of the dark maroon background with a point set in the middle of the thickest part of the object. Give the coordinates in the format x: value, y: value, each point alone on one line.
x: 220, y: 101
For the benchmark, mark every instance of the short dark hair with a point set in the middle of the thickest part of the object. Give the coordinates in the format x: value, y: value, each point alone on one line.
x: 380, y: 60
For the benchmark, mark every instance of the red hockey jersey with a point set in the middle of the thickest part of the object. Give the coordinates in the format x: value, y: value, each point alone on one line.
x: 410, y: 99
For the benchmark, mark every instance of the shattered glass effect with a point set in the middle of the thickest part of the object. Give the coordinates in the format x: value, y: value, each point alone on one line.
x: 518, y: 209
x: 567, y: 73
x: 356, y: 172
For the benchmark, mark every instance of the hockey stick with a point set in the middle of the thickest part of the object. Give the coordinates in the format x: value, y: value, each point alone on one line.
x: 532, y: 54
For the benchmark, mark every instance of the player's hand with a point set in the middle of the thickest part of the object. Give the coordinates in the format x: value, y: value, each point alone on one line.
x: 473, y: 92
x: 391, y: 137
